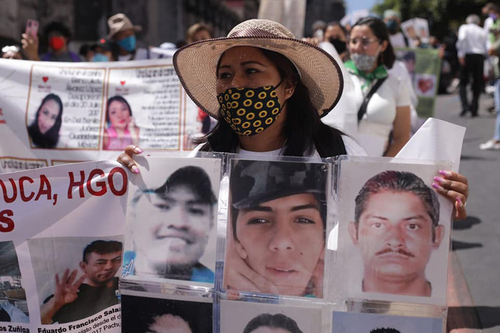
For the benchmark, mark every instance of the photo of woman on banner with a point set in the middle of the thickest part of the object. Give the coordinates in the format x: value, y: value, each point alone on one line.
x: 44, y: 130
x: 121, y: 129
x: 276, y: 238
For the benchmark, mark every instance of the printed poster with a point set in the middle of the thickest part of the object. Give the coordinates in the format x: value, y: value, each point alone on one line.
x: 61, y: 247
x: 59, y: 113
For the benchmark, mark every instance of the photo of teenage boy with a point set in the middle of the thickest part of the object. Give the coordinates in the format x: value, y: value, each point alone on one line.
x: 13, y: 305
x: 276, y: 239
x: 161, y: 315
x: 171, y: 225
x: 74, y: 297
x: 268, y: 323
x: 396, y: 229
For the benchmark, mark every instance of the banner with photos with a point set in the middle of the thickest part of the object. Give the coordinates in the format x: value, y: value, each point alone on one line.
x: 237, y: 244
x: 424, y: 66
x: 58, y: 113
x: 61, y: 248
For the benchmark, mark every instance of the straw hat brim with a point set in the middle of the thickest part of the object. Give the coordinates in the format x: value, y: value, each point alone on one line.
x: 196, y: 66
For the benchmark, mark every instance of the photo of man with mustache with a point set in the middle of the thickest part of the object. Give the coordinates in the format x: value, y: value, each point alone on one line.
x: 396, y: 229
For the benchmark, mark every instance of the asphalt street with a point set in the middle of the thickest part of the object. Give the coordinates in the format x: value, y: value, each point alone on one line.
x: 476, y: 240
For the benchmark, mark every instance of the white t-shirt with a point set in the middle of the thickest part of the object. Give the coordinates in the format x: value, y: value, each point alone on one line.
x: 381, y: 110
x: 352, y: 149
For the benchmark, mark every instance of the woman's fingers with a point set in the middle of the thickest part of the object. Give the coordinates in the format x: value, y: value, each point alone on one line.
x: 455, y: 187
x: 127, y: 160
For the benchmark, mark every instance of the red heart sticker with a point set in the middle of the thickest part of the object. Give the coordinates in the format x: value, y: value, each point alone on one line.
x: 425, y: 85
x: 122, y: 83
x: 45, y: 78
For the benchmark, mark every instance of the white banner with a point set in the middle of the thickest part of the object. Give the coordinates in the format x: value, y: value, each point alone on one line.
x: 61, y: 247
x: 57, y: 113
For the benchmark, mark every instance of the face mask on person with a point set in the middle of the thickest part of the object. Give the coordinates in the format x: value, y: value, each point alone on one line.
x: 392, y: 26
x: 339, y: 45
x: 250, y: 111
x: 128, y: 43
x: 364, y: 62
x: 56, y: 43
x: 99, y: 57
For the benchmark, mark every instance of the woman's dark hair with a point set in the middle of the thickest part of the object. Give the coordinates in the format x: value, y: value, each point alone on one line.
x: 303, y: 129
x: 274, y: 321
x: 59, y: 27
x: 117, y: 98
x: 338, y: 24
x: 50, y: 138
x: 380, y: 31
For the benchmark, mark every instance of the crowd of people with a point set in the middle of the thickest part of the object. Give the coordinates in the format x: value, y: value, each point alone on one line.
x: 384, y: 93
x: 269, y: 92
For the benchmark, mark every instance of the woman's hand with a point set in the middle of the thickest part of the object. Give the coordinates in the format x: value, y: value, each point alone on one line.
x: 127, y: 158
x: 454, y: 187
x: 30, y: 46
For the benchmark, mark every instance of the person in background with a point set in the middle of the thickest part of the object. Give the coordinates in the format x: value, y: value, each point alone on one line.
x: 122, y: 32
x: 471, y: 46
x: 197, y: 32
x: 86, y: 52
x: 494, y: 143
x: 318, y: 30
x: 58, y: 37
x: 12, y: 52
x: 387, y: 114
x: 105, y: 50
x: 336, y: 34
x: 392, y: 20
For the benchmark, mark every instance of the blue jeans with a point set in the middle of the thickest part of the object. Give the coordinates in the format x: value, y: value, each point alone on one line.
x: 497, y: 107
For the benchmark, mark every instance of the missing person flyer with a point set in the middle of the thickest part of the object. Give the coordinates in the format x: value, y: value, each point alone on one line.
x: 61, y: 247
x: 54, y: 113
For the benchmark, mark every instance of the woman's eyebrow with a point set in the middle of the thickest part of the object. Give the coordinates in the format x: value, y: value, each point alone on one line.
x: 252, y: 62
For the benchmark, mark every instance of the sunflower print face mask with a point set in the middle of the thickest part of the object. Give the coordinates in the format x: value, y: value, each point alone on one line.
x: 250, y: 111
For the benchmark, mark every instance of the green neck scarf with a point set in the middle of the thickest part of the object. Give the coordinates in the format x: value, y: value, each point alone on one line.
x: 379, y: 73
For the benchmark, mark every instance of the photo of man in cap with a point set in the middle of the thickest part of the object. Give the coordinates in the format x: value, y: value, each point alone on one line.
x: 170, y: 227
x: 276, y: 234
x: 396, y: 229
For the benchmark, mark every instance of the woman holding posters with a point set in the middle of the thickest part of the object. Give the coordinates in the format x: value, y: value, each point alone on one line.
x: 383, y: 100
x: 121, y: 130
x: 269, y: 91
x: 44, y: 131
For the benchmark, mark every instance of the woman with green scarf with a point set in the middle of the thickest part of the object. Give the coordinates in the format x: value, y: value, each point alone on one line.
x: 382, y: 99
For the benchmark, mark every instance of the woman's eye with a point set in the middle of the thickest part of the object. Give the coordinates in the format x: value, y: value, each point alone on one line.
x: 251, y: 70
x: 224, y: 76
x: 45, y: 112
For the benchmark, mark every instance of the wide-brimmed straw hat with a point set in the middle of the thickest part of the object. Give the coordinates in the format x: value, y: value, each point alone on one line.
x: 120, y: 22
x: 196, y: 64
